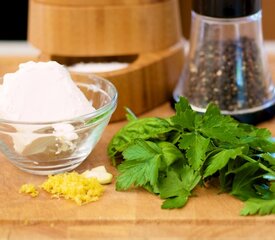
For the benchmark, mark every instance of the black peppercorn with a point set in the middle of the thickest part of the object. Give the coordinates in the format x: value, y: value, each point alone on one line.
x: 230, y: 77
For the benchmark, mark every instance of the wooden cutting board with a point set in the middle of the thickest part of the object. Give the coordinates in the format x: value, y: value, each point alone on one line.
x: 122, y: 215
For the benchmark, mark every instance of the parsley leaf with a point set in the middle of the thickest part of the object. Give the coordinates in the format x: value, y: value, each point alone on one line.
x: 174, y: 190
x: 269, y: 158
x: 258, y: 206
x: 170, y: 153
x: 185, y: 118
x: 144, y: 160
x: 176, y: 202
x: 196, y: 147
x: 190, y: 178
x: 219, y: 127
x: 141, y: 167
x: 170, y: 157
x: 244, y: 180
x: 171, y: 186
x: 146, y: 128
x: 219, y: 160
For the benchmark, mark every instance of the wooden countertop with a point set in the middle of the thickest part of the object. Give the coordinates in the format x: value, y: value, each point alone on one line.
x: 123, y: 215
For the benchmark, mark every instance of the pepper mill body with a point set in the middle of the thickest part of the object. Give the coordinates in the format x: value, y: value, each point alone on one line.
x: 227, y: 64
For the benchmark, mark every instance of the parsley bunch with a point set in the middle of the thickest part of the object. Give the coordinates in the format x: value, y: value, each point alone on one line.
x: 170, y: 157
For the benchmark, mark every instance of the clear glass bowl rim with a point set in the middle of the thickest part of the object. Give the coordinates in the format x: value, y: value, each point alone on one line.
x: 95, y: 114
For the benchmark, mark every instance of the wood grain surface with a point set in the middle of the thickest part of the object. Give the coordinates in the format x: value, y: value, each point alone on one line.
x: 123, y: 215
x: 99, y: 30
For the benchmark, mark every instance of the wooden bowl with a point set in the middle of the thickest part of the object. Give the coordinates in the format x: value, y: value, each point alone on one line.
x: 103, y: 27
x: 147, y: 82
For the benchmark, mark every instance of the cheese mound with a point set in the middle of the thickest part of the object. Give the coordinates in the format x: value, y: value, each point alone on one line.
x: 41, y: 92
x: 29, y: 189
x: 73, y: 186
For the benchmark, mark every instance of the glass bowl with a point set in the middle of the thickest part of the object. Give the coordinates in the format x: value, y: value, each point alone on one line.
x: 54, y: 147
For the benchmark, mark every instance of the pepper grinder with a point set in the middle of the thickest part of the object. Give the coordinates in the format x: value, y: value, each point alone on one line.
x: 227, y: 64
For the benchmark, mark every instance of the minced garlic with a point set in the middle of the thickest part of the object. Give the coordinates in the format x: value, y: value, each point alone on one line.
x: 29, y: 189
x: 73, y: 186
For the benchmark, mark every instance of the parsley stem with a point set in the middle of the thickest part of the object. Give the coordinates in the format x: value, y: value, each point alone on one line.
x: 262, y: 166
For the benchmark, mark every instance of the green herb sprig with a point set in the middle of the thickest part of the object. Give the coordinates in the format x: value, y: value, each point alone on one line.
x: 170, y: 157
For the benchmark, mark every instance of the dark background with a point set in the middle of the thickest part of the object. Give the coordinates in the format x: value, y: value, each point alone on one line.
x: 13, y: 19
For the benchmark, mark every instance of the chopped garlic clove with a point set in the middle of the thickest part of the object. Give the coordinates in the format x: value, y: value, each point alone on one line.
x: 100, y: 174
x: 99, y: 169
